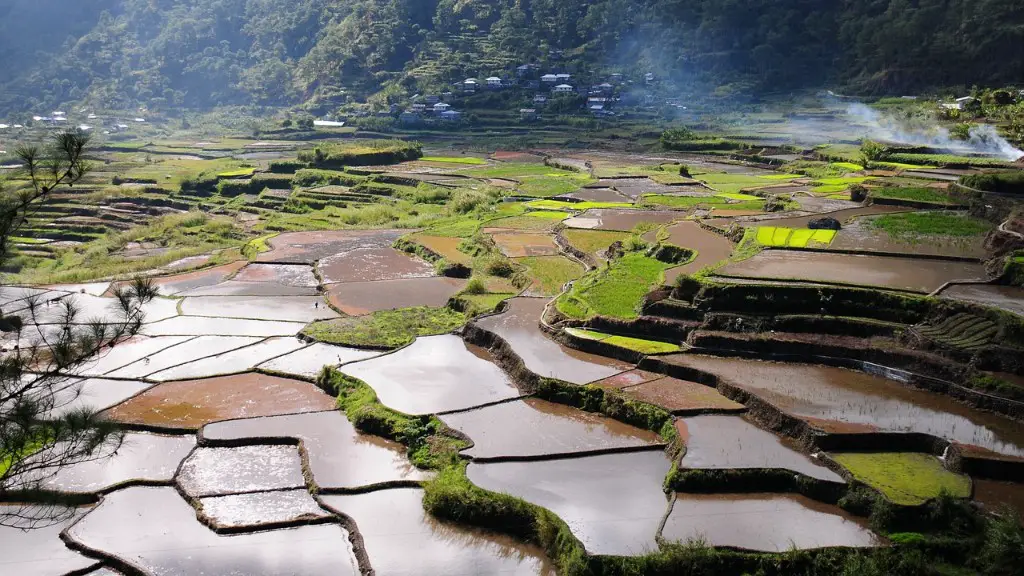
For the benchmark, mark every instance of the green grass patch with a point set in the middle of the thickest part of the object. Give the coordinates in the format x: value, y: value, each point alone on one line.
x: 476, y: 304
x: 616, y: 290
x: 930, y: 195
x: 930, y: 224
x: 734, y: 183
x: 905, y: 478
x: 256, y: 246
x: 740, y: 197
x: 627, y: 342
x: 549, y: 273
x: 455, y: 160
x: 552, y: 184
x: 793, y: 237
x: 386, y: 328
x: 593, y: 241
x: 578, y: 206
x: 517, y: 170
x: 236, y: 173
x: 682, y: 201
x: 903, y: 166
x: 850, y: 166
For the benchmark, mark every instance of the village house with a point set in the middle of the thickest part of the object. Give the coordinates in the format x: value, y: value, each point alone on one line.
x: 563, y: 78
x: 549, y: 78
x: 441, y: 107
x: 469, y: 85
x: 527, y: 113
x: 540, y: 100
x: 451, y: 115
x: 563, y: 89
x: 418, y: 107
x: 494, y: 82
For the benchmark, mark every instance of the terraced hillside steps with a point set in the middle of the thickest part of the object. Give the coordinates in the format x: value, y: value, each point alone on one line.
x: 962, y: 331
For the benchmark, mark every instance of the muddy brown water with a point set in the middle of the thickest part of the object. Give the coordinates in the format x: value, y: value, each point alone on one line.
x: 846, y: 400
x: 241, y: 469
x: 307, y: 247
x: 191, y: 403
x: 677, y: 396
x: 284, y: 308
x: 155, y: 531
x: 286, y: 274
x: 435, y: 374
x: 999, y: 495
x: 861, y: 235
x: 732, y: 442
x: 239, y: 360
x: 911, y: 274
x: 400, y: 538
x: 261, y: 508
x: 711, y: 248
x: 621, y: 219
x: 310, y: 360
x: 339, y: 456
x: 169, y: 285
x: 765, y: 522
x: 196, y: 348
x: 843, y: 216
x: 39, y: 551
x: 520, y: 244
x: 613, y: 503
x: 140, y: 456
x: 445, y: 246
x: 535, y: 427
x: 519, y: 326
x: 360, y: 298
x: 1010, y: 298
x: 372, y: 264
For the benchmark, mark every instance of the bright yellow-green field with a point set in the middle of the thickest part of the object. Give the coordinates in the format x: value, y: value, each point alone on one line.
x: 906, y: 478
x: 793, y: 237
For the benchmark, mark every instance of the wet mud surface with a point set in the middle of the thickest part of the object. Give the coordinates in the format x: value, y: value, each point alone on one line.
x: 339, y: 456
x: 849, y: 401
x: 170, y: 285
x: 679, y: 396
x: 40, y: 551
x: 308, y: 247
x: 156, y: 531
x: 373, y: 264
x: 711, y: 248
x: 732, y: 442
x: 239, y: 360
x: 861, y: 235
x: 519, y: 327
x: 435, y: 374
x: 360, y: 298
x: 843, y: 216
x: 765, y: 522
x: 613, y: 503
x: 191, y: 403
x: 283, y: 274
x: 241, y: 469
x: 535, y: 427
x: 521, y: 244
x: 898, y: 273
x: 997, y: 496
x: 621, y: 219
x: 401, y: 539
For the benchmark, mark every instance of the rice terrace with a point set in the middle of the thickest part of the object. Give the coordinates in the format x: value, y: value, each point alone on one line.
x: 714, y: 335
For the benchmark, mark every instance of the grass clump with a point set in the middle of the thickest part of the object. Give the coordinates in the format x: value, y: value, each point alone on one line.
x: 930, y: 223
x: 540, y: 223
x: 549, y: 273
x: 905, y: 478
x: 616, y: 290
x: 593, y: 241
x: 387, y: 328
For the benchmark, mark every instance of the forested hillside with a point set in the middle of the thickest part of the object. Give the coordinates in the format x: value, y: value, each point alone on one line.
x: 201, y: 53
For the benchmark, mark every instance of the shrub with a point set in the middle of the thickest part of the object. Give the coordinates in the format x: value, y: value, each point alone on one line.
x: 286, y: 166
x: 475, y: 286
x: 501, y: 267
x: 363, y: 153
x: 312, y: 177
x: 858, y: 192
x: 1005, y: 182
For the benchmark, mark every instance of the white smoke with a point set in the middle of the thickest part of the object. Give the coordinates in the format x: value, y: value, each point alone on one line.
x: 983, y: 137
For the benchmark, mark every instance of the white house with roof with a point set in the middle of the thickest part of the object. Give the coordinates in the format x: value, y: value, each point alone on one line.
x: 563, y: 89
x: 563, y: 78
x: 451, y: 115
x: 494, y: 82
x: 441, y: 107
x: 470, y: 85
x: 549, y: 78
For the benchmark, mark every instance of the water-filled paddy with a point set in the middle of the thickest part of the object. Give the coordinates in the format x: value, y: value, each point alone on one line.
x: 196, y: 348
x: 917, y: 275
x: 401, y: 539
x: 203, y: 326
x: 732, y: 442
x: 189, y: 404
x: 999, y: 495
x: 126, y: 352
x: 535, y: 427
x: 261, y: 289
x: 308, y: 247
x: 680, y: 396
x: 339, y: 456
x: 768, y: 522
x: 359, y: 298
x: 435, y: 374
x: 240, y: 359
x: 373, y: 264
x: 260, y: 508
x: 156, y: 531
x: 170, y: 285
x: 845, y: 400
x: 94, y: 394
x: 612, y: 503
x: 140, y: 456
x: 241, y: 469
x: 519, y: 327
x: 521, y: 244
x: 711, y: 248
x: 310, y: 360
x: 621, y: 219
x: 40, y: 551
x: 284, y: 274
x: 284, y: 308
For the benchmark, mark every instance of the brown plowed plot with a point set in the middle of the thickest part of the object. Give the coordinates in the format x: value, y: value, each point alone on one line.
x: 861, y: 235
x: 359, y: 298
x: 1010, y: 298
x: 401, y: 538
x: 154, y: 530
x: 621, y: 219
x: 843, y: 216
x: 520, y: 244
x: 629, y: 378
x: 284, y: 274
x: 711, y: 248
x: 191, y: 403
x: 170, y: 285
x: 536, y: 428
x: 372, y: 264
x: 39, y: 551
x: 635, y: 187
x: 519, y: 326
x: 764, y: 522
x: 911, y: 274
x: 307, y: 247
x: 597, y: 195
x: 339, y: 456
x: 680, y: 396
x: 997, y: 495
x: 854, y: 400
x: 820, y: 204
x: 445, y: 246
x: 732, y: 442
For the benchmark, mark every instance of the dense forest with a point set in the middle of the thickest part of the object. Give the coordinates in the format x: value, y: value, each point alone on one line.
x: 202, y: 53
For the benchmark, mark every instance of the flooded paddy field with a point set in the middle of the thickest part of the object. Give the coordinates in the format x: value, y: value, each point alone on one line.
x: 435, y: 374
x: 844, y: 216
x: 309, y: 247
x: 915, y: 275
x: 359, y: 298
x: 94, y: 393
x: 400, y: 538
x: 339, y: 456
x: 998, y: 496
x: 519, y: 326
x: 861, y: 235
x: 622, y: 220
x: 613, y: 503
x: 239, y: 360
x: 521, y: 244
x: 1009, y: 298
x: 205, y: 326
x: 40, y: 551
x: 241, y: 470
x: 256, y: 509
x: 310, y: 360
x: 139, y: 457
x: 711, y: 248
x: 171, y: 285
x: 535, y: 427
x: 127, y: 352
x: 286, y: 308
x: 732, y: 442
x: 373, y: 264
x: 835, y: 399
x: 672, y: 394
x: 194, y: 349
x: 765, y: 522
x: 189, y: 404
